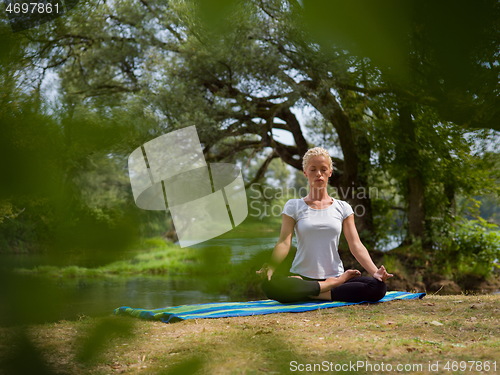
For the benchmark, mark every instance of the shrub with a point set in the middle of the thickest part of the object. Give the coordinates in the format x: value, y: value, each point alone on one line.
x: 471, y: 249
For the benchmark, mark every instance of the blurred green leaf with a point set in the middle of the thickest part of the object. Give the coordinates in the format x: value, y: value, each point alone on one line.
x: 188, y: 366
x: 23, y: 358
x: 101, y: 335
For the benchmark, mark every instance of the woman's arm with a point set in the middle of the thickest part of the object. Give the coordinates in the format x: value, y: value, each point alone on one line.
x: 282, y: 246
x: 359, y: 250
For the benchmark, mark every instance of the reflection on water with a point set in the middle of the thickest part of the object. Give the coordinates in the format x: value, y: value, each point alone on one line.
x: 39, y: 299
x: 96, y: 297
x: 73, y: 298
x: 242, y: 248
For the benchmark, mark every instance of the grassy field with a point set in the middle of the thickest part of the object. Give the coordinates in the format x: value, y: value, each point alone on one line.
x: 154, y: 256
x: 424, y: 335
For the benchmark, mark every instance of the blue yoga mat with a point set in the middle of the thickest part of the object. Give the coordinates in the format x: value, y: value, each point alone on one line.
x: 232, y: 309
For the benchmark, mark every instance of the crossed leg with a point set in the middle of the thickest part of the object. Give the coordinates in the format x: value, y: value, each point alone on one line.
x: 329, y: 284
x: 295, y: 289
x: 359, y: 289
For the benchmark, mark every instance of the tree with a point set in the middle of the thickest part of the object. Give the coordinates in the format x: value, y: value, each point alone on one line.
x: 169, y: 65
x: 205, y: 78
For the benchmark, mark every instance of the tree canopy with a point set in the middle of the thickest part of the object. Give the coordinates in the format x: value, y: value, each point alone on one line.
x: 405, y: 92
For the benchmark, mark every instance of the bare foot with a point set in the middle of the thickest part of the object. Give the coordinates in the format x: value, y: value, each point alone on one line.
x: 333, y: 282
x: 296, y: 276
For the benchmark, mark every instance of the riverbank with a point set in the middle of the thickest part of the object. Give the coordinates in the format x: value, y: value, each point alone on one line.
x: 455, y: 330
x: 227, y: 267
x: 153, y: 256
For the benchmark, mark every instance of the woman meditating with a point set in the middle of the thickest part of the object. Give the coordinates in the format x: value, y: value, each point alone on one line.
x: 317, y: 271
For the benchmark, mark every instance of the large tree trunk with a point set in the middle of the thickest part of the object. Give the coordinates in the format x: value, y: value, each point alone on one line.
x: 362, y: 201
x: 416, y: 208
x: 415, y: 186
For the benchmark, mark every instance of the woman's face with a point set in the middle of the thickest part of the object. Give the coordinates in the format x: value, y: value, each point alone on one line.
x: 318, y: 171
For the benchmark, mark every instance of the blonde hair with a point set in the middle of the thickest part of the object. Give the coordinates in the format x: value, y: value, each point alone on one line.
x: 316, y: 151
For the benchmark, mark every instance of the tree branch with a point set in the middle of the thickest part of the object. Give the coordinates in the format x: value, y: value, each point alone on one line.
x: 262, y: 170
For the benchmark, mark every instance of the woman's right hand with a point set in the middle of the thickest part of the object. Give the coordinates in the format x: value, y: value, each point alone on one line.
x: 382, y: 274
x: 266, y: 271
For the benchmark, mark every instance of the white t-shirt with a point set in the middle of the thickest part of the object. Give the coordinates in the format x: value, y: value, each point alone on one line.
x: 318, y: 233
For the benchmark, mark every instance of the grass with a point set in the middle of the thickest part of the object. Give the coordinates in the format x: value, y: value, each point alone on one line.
x: 417, y: 333
x: 154, y: 257
x: 252, y: 227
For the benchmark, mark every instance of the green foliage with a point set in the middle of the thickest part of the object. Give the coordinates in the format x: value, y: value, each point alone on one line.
x: 471, y: 249
x: 129, y: 71
x: 278, y: 173
x: 152, y: 256
x: 97, y: 338
x: 444, y: 51
x: 134, y: 70
x: 6, y: 211
x: 220, y: 276
x: 23, y: 357
x: 449, y: 163
x: 191, y: 365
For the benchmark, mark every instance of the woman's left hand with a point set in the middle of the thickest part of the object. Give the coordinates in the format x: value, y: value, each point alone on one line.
x: 381, y: 274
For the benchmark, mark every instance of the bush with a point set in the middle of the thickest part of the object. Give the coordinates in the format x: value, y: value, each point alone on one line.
x: 471, y: 249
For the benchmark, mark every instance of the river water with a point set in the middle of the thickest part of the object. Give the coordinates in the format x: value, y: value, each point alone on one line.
x: 51, y: 299
x: 73, y: 298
